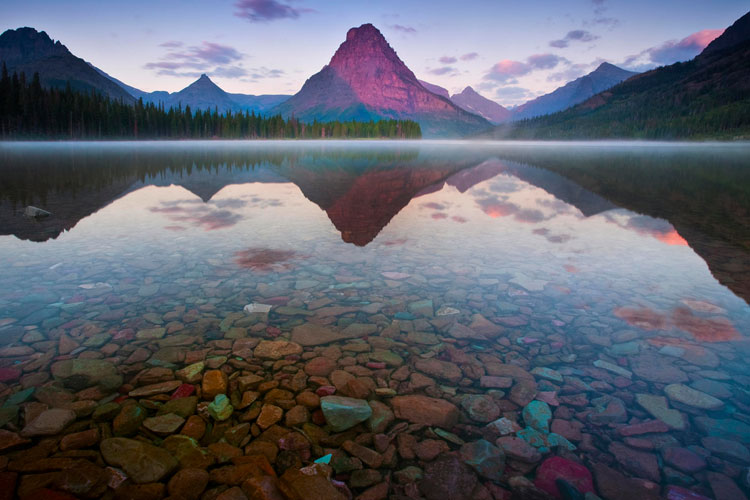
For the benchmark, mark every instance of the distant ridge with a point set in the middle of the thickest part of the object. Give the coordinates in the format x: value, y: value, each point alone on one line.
x: 602, y: 78
x: 473, y: 102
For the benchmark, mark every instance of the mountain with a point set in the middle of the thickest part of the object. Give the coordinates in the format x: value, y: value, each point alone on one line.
x: 203, y: 94
x: 30, y: 51
x: 472, y: 102
x: 366, y: 80
x: 602, y: 78
x: 707, y: 97
x: 436, y: 89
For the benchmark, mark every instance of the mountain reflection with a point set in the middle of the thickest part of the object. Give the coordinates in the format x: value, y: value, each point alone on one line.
x: 693, y: 198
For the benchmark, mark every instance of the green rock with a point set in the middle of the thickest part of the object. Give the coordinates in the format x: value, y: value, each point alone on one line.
x: 422, y: 307
x: 106, y: 412
x: 191, y: 373
x: 151, y: 333
x: 448, y: 436
x: 184, y: 407
x: 79, y: 374
x: 691, y: 397
x: 8, y: 413
x: 97, y: 340
x: 408, y: 475
x: 388, y: 357
x: 344, y: 413
x: 658, y: 408
x: 129, y: 420
x: 220, y: 408
x: 484, y: 457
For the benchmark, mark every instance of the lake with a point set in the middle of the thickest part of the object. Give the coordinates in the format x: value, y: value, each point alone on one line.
x: 443, y: 318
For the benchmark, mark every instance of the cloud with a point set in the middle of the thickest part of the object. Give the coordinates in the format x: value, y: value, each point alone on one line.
x: 574, y: 36
x: 403, y: 29
x: 263, y: 72
x: 469, y: 57
x: 214, y: 58
x: 507, y: 71
x: 266, y: 10
x: 442, y: 71
x: 570, y: 73
x: 672, y: 51
x: 447, y: 60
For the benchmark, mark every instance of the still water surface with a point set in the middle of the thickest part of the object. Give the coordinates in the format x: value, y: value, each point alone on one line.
x: 613, y: 278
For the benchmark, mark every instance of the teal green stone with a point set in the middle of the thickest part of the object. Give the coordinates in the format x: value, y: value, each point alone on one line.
x: 325, y: 459
x: 220, y: 408
x: 97, y: 340
x: 19, y: 397
x: 344, y: 413
x: 537, y: 415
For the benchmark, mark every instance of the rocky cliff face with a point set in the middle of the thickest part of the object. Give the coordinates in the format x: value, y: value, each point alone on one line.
x: 365, y: 79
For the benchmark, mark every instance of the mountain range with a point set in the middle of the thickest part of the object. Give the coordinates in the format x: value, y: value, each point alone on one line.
x: 366, y: 80
x: 706, y: 97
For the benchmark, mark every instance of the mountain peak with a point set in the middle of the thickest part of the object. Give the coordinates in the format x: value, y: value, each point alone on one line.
x: 473, y: 102
x: 365, y: 31
x: 469, y: 91
x: 737, y: 33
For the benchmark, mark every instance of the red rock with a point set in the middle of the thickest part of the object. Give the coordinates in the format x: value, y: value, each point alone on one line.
x: 183, y: 391
x: 555, y: 468
x: 320, y: 366
x: 648, y: 427
x: 683, y: 459
x: 9, y: 374
x: 325, y: 390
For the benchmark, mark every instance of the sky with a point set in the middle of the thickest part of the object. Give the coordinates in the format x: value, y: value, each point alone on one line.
x: 509, y: 51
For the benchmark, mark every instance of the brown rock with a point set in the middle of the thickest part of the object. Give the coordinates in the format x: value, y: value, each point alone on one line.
x: 195, y: 427
x: 310, y: 483
x: 426, y: 410
x: 78, y: 440
x: 369, y: 457
x: 269, y: 415
x: 439, y: 369
x: 214, y: 383
x: 429, y: 449
x: 188, y: 483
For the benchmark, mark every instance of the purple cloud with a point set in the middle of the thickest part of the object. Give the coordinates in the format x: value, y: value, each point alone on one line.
x: 447, y: 60
x: 266, y: 10
x: 442, y: 71
x: 507, y: 71
x: 574, y: 36
x: 470, y: 56
x: 403, y: 29
x: 672, y: 51
x: 209, y: 57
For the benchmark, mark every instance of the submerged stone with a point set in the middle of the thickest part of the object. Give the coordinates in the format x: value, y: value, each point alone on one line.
x: 537, y: 414
x: 485, y: 458
x: 343, y: 413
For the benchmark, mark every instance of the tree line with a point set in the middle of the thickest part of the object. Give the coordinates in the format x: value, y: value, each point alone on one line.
x: 30, y: 111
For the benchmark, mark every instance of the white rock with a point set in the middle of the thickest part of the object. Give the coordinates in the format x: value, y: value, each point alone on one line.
x: 256, y: 308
